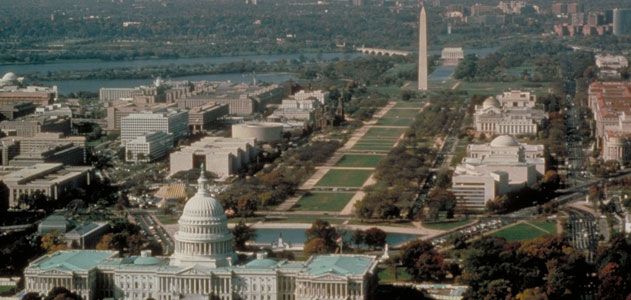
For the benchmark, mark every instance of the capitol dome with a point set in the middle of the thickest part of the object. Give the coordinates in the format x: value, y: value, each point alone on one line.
x: 504, y: 141
x: 490, y: 102
x: 203, y: 237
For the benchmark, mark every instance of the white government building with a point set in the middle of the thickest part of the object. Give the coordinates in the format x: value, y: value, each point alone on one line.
x: 204, y: 266
x: 511, y: 113
x: 496, y: 168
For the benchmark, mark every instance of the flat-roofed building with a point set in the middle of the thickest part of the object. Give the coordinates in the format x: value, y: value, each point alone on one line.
x: 54, y: 222
x: 149, y: 147
x: 610, y: 103
x: 201, y: 118
x: 295, y: 110
x: 319, y: 95
x: 242, y: 99
x: 38, y: 95
x: 117, y: 94
x: 86, y: 236
x: 57, y: 109
x: 32, y: 125
x: 222, y: 156
x: 16, y: 110
x: 46, y: 147
x: 118, y: 111
x: 173, y: 121
x: 493, y: 169
x: 52, y: 179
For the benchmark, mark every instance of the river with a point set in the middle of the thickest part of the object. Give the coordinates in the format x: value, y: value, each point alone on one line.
x: 93, y: 85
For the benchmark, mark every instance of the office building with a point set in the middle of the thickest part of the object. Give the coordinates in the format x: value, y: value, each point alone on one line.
x: 16, y: 110
x: 53, y: 179
x: 221, y: 156
x: 13, y: 91
x: 43, y: 148
x: 172, y: 121
x: 610, y: 103
x: 148, y: 147
x: 622, y: 22
x: 319, y: 95
x: 494, y: 169
x: 204, y: 266
x: 86, y: 236
x: 29, y: 126
x: 202, y: 118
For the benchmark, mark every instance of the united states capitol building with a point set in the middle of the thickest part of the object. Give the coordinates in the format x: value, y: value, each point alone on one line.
x: 511, y: 113
x: 203, y: 266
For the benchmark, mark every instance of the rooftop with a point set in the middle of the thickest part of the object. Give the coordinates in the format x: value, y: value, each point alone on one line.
x: 74, y: 260
x: 344, y: 265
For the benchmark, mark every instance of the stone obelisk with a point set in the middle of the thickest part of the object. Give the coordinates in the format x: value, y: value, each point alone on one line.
x: 422, y: 51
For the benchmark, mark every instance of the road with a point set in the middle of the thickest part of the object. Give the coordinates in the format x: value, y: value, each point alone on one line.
x: 583, y: 231
x: 153, y: 230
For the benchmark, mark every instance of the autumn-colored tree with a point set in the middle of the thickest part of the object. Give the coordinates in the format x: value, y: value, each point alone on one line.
x: 532, y: 294
x: 53, y: 241
x: 423, y: 261
x: 316, y: 246
x: 323, y: 230
x: 104, y: 242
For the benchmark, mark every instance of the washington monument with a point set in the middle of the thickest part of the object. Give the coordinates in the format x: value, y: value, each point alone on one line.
x: 422, y: 51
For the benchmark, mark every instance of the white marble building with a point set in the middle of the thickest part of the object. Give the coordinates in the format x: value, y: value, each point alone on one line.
x: 204, y: 266
x: 510, y: 113
x: 496, y: 168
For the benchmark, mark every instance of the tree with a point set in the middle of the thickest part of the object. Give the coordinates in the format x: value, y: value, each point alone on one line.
x: 316, y: 246
x: 358, y: 237
x: 104, y: 242
x: 375, y: 237
x: 422, y: 261
x: 442, y: 199
x: 61, y: 293
x: 31, y: 296
x: 323, y: 230
x: 53, y: 241
x: 242, y: 233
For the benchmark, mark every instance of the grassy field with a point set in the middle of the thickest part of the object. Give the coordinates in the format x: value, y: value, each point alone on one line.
x: 344, y: 178
x: 527, y: 230
x: 395, y: 122
x: 322, y: 201
x: 446, y: 225
x: 405, y: 104
x: 380, y: 133
x: 355, y: 160
x: 167, y: 219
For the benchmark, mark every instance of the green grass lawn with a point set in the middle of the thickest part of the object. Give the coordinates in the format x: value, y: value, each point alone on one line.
x: 7, y: 289
x: 387, y: 275
x: 344, y: 178
x: 446, y: 225
x: 322, y: 201
x: 355, y: 160
x: 395, y: 122
x: 168, y: 219
x: 527, y: 231
x: 402, y: 113
x: 405, y: 104
x: 377, y: 133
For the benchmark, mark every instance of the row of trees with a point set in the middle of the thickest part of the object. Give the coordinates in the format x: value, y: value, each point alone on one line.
x: 275, y: 183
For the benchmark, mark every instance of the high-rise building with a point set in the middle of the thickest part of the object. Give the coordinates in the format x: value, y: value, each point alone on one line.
x: 422, y: 51
x: 622, y: 21
x: 172, y: 121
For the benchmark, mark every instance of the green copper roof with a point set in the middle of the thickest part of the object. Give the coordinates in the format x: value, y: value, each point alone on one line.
x: 339, y: 264
x: 79, y: 260
x: 265, y: 263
